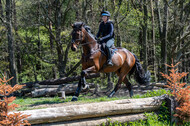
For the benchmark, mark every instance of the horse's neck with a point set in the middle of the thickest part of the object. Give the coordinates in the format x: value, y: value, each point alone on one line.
x: 91, y: 46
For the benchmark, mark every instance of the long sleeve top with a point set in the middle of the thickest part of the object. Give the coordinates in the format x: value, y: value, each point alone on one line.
x: 106, y: 31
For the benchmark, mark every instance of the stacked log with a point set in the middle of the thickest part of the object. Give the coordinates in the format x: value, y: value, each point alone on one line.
x: 61, y: 80
x: 93, y: 110
x: 54, y: 85
x: 47, y: 90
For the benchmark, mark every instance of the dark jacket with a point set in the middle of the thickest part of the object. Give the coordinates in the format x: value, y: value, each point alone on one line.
x: 106, y: 31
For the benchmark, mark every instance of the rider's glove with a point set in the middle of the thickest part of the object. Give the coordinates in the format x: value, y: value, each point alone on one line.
x: 99, y: 40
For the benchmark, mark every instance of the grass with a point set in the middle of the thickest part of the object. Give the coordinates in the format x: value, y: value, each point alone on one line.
x: 152, y: 93
x: 29, y: 103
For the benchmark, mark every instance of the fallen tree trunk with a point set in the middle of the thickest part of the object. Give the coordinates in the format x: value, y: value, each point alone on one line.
x: 61, y: 80
x: 163, y: 85
x: 91, y: 110
x: 67, y: 79
x: 69, y: 89
x: 98, y: 121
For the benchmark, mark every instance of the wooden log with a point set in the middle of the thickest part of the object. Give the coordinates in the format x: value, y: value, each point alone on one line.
x: 91, y: 110
x: 61, y: 80
x: 163, y: 85
x: 69, y: 89
x: 67, y: 79
x: 37, y: 86
x: 98, y: 121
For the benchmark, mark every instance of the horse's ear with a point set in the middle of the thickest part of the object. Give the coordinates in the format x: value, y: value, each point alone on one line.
x: 72, y: 25
x: 82, y: 24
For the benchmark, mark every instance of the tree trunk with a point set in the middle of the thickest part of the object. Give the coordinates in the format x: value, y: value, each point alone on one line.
x: 84, y: 8
x: 157, y: 2
x: 116, y: 13
x: 145, y: 59
x: 58, y: 38
x: 164, y: 39
x: 90, y: 110
x: 77, y: 10
x: 1, y: 9
x: 51, y: 38
x: 12, y: 64
x: 153, y: 42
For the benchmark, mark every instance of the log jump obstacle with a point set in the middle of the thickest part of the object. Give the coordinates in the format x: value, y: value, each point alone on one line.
x: 120, y: 109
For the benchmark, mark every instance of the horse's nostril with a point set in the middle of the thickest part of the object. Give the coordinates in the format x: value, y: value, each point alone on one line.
x: 73, y: 49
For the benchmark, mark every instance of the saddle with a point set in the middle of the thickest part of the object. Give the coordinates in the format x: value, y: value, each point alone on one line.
x: 113, y: 50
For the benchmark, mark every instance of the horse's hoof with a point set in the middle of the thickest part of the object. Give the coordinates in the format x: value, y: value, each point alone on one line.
x: 86, y: 87
x: 75, y: 98
x: 111, y: 94
x: 131, y: 94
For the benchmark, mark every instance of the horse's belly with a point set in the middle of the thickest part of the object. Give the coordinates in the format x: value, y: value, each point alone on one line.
x: 117, y: 61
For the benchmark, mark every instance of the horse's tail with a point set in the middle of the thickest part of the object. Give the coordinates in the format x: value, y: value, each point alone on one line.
x: 140, y: 76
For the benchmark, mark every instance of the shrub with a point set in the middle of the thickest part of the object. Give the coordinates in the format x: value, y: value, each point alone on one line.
x: 6, y: 105
x: 181, y: 93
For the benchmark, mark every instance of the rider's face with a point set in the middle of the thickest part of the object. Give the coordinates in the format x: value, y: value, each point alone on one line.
x: 104, y: 18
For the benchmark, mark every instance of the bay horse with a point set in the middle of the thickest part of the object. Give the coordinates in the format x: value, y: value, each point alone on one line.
x: 93, y: 61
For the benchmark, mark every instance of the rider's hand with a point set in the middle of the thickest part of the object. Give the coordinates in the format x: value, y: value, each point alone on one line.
x: 99, y: 40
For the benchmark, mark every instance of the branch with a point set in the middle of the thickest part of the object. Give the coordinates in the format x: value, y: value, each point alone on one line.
x: 179, y: 53
x: 46, y: 13
x: 186, y: 34
x: 3, y: 21
x: 74, y: 68
x: 49, y: 31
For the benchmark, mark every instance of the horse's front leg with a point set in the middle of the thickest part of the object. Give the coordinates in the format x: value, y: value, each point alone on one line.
x: 82, y: 81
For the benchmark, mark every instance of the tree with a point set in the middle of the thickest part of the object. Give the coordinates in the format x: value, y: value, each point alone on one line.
x: 11, y: 49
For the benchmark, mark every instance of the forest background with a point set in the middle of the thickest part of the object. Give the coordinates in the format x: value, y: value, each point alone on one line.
x: 35, y: 35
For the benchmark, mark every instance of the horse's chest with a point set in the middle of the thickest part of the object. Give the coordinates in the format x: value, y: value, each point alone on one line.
x: 87, y: 61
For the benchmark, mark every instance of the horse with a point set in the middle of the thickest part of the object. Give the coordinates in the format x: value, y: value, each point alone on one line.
x: 94, y: 60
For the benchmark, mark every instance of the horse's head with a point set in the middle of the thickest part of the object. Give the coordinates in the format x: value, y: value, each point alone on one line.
x: 77, y: 35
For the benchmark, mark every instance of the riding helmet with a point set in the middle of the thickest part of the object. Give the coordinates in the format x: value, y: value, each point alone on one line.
x: 105, y: 13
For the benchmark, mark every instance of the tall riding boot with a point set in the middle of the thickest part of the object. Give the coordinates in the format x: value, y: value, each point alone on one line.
x: 109, y: 60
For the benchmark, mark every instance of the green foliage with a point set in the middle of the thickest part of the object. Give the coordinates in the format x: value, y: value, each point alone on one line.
x: 152, y: 93
x: 152, y: 119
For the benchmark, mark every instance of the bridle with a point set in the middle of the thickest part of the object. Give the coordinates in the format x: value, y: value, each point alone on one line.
x: 80, y: 39
x: 82, y: 44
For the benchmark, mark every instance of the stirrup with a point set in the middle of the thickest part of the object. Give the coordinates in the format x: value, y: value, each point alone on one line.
x: 109, y: 63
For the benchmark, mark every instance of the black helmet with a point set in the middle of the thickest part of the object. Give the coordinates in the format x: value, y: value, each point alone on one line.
x: 105, y: 13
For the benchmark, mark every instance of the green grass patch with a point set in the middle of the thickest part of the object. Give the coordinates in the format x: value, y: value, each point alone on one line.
x: 152, y: 93
x: 30, y: 103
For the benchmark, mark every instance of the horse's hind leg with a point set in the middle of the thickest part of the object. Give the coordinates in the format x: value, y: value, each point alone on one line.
x: 118, y: 85
x: 129, y: 86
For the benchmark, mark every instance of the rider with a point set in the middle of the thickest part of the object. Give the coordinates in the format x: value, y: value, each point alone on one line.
x: 106, y: 32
